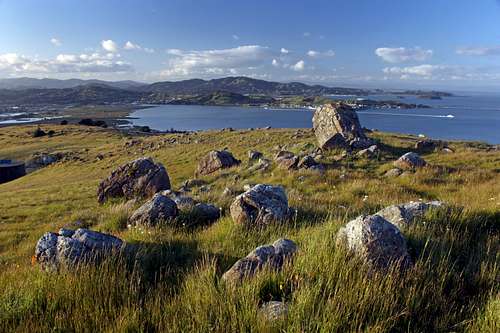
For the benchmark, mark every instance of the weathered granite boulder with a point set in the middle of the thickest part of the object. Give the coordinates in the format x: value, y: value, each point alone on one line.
x: 273, y: 256
x: 375, y: 240
x: 430, y: 145
x: 140, y: 178
x: 83, y: 246
x: 274, y: 310
x: 337, y: 125
x: 204, y: 213
x: 369, y: 152
x: 405, y: 214
x: 254, y: 155
x: 410, y: 161
x: 260, y: 206
x: 158, y: 210
x: 216, y: 160
x: 286, y: 160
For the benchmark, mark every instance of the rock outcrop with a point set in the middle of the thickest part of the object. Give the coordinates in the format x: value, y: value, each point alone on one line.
x: 55, y: 250
x: 410, y: 161
x: 140, y: 178
x: 337, y: 125
x: 261, y: 205
x: 158, y: 210
x: 216, y: 160
x: 376, y: 241
x: 369, y: 152
x: 273, y: 256
x: 405, y: 214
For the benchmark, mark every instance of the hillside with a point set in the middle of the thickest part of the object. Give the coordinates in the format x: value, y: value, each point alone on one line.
x: 175, y: 284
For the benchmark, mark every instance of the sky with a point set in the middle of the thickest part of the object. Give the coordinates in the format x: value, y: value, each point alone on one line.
x: 371, y: 43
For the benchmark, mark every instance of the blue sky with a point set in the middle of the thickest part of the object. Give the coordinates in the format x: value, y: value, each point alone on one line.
x: 387, y: 43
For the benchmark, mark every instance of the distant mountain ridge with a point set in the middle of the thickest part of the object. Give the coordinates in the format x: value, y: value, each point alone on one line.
x: 32, y: 83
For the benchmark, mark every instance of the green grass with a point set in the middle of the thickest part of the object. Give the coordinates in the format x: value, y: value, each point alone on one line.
x: 174, y: 282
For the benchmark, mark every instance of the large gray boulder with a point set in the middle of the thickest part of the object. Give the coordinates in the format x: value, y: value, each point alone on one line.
x: 410, y: 161
x: 216, y: 160
x: 274, y: 310
x: 375, y: 240
x: 159, y: 210
x: 405, y: 214
x: 261, y: 205
x: 140, y: 178
x: 54, y: 250
x: 337, y: 125
x: 273, y: 256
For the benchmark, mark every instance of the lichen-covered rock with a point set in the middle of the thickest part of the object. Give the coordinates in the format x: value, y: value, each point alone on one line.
x: 375, y: 240
x: 83, y: 246
x: 337, y: 125
x: 286, y: 160
x: 307, y: 162
x: 158, y: 210
x: 410, y: 161
x: 405, y: 214
x: 216, y: 160
x: 369, y: 152
x: 274, y: 310
x: 260, y: 206
x: 273, y: 256
x: 394, y: 172
x: 140, y: 178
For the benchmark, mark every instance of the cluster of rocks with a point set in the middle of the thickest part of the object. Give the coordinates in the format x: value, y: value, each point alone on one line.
x: 69, y: 248
x: 377, y: 238
x: 406, y: 163
x: 428, y: 145
x: 289, y: 161
x: 42, y: 160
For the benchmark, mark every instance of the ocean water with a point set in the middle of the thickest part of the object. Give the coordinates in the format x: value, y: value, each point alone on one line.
x: 471, y: 117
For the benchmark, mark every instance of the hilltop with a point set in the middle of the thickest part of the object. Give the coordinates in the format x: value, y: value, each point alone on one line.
x: 175, y: 285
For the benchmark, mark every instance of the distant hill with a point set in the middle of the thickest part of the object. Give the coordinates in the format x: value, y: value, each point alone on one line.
x: 245, y: 85
x: 31, y: 83
x: 87, y: 94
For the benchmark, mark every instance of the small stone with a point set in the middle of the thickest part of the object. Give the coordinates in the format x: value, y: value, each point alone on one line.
x: 274, y: 310
x: 395, y: 172
x: 410, y: 161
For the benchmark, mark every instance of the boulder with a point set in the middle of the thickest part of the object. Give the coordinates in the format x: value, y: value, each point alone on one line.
x: 286, y: 160
x: 405, y: 214
x: 263, y: 165
x: 394, y: 172
x: 204, y: 213
x: 274, y: 310
x: 273, y: 256
x: 254, y: 155
x: 216, y: 160
x: 429, y: 145
x: 140, y: 178
x: 260, y: 206
x: 376, y: 241
x: 54, y: 250
x: 158, y: 210
x: 307, y: 162
x: 410, y: 161
x: 369, y: 152
x: 337, y: 125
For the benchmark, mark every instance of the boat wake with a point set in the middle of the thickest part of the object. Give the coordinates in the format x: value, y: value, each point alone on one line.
x: 408, y: 114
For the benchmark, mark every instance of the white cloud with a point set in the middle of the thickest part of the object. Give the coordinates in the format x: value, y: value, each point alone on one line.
x: 109, y: 45
x: 275, y: 63
x: 306, y: 34
x: 199, y: 62
x: 318, y: 54
x: 479, y: 51
x: 299, y: 66
x: 236, y: 37
x: 284, y: 51
x: 444, y: 72
x: 55, y: 41
x: 12, y: 63
x: 131, y: 46
x: 402, y: 54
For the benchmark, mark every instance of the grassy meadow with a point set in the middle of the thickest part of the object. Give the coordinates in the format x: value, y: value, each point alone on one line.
x: 173, y: 285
